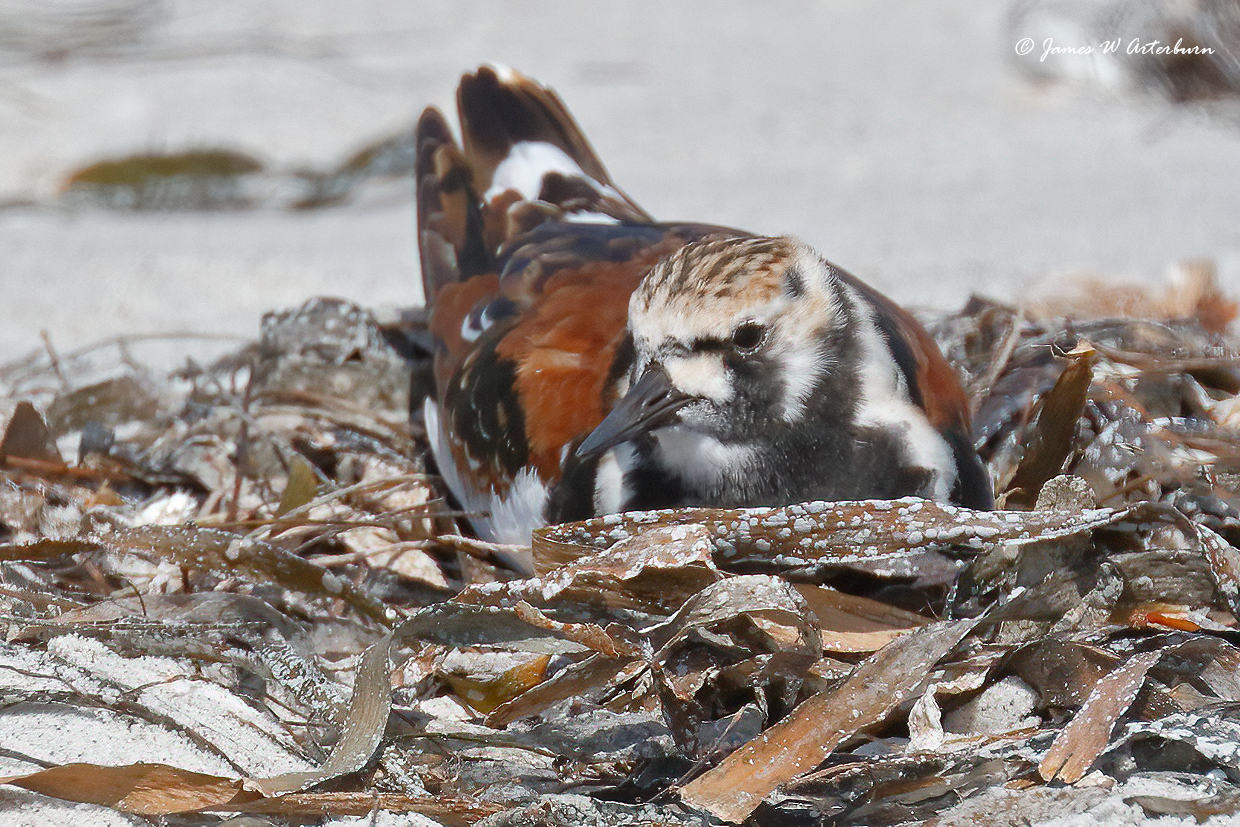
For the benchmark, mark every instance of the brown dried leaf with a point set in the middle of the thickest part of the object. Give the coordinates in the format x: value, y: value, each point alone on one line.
x: 1062, y: 671
x: 849, y: 623
x: 587, y: 634
x: 859, y: 642
x: 800, y: 742
x: 485, y: 695
x: 145, y: 789
x: 1201, y: 809
x: 221, y: 551
x: 1083, y: 739
x: 28, y: 437
x: 1050, y: 441
x: 841, y: 533
x: 47, y: 549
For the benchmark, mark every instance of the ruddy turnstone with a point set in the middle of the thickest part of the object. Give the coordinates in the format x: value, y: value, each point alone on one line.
x: 592, y: 360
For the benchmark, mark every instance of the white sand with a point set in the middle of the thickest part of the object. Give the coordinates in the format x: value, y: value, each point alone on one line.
x: 899, y: 140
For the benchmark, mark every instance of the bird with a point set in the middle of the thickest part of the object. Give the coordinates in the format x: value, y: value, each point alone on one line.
x: 590, y: 360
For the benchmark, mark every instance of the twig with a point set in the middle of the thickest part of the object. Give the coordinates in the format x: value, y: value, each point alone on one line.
x: 497, y: 554
x: 52, y: 357
x: 243, y: 436
x: 27, y: 366
x: 46, y: 468
x: 1000, y: 362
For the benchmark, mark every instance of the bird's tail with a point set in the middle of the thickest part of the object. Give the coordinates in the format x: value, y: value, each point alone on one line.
x: 522, y: 161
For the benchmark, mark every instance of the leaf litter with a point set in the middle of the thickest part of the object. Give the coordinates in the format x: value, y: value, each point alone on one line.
x: 243, y: 581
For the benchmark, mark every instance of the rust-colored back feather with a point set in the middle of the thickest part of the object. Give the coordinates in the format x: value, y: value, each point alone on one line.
x: 564, y: 349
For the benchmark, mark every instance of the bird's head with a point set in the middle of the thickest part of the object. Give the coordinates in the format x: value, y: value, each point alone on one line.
x: 730, y: 337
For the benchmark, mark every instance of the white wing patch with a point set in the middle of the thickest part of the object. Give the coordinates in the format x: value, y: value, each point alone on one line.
x: 508, y: 519
x: 526, y: 164
x: 514, y: 518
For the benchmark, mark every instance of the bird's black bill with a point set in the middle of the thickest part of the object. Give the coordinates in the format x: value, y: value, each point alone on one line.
x: 651, y: 402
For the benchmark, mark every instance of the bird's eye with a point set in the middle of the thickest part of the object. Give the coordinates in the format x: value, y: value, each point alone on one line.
x: 748, y: 337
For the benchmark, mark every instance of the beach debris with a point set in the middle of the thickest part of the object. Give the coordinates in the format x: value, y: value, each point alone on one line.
x: 243, y: 584
x: 225, y: 178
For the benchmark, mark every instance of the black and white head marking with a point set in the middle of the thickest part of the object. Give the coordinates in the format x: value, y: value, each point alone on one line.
x: 738, y: 323
x: 760, y: 371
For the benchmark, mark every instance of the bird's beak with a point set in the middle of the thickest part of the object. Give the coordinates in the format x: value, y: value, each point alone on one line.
x: 651, y: 402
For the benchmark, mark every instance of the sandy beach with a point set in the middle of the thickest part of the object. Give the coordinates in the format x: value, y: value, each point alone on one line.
x: 909, y: 144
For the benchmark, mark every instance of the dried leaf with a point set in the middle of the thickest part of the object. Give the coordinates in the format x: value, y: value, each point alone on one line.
x: 751, y: 596
x: 208, y: 627
x: 1224, y: 560
x: 747, y: 639
x: 361, y: 726
x: 587, y: 634
x: 1063, y: 672
x: 213, y: 550
x: 47, y: 549
x: 28, y: 437
x: 145, y: 789
x: 859, y: 642
x: 799, y: 743
x: 457, y: 624
x: 656, y: 570
x: 126, y: 398
x: 849, y: 623
x: 1208, y: 737
x: 1083, y: 739
x: 450, y: 811
x: 1051, y: 439
x: 840, y: 534
x: 572, y: 681
x: 1201, y: 809
x: 303, y: 485
x: 901, y: 789
x: 486, y: 695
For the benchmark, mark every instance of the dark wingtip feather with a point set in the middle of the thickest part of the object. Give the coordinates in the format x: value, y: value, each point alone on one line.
x: 450, y: 236
x: 973, y: 488
x: 498, y: 112
x: 459, y: 235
